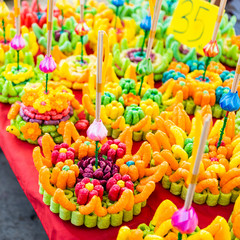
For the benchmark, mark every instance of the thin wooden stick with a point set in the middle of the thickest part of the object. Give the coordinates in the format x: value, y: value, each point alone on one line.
x: 219, y: 18
x: 17, y: 15
x: 192, y: 185
x: 157, y: 10
x: 236, y: 77
x: 49, y: 27
x: 81, y: 10
x: 213, y: 1
x: 99, y: 74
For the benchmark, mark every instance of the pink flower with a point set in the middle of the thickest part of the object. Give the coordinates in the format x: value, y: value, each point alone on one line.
x: 97, y: 131
x: 47, y: 65
x: 211, y: 49
x: 185, y: 221
x: 17, y: 42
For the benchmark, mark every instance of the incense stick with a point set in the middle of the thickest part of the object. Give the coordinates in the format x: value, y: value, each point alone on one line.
x: 49, y: 27
x: 99, y: 74
x: 157, y: 10
x: 192, y: 185
x: 219, y: 18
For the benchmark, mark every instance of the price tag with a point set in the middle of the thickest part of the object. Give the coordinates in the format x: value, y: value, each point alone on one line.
x: 193, y: 23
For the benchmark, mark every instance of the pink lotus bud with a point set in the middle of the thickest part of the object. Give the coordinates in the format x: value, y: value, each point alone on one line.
x: 185, y: 220
x: 97, y: 131
x: 17, y: 42
x: 47, y: 65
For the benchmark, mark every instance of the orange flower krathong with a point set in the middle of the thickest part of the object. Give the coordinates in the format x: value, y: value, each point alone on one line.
x: 31, y: 131
x: 130, y: 99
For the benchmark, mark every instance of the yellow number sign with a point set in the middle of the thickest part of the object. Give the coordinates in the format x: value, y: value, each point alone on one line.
x: 193, y: 23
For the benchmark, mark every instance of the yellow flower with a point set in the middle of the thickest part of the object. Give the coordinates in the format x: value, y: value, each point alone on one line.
x: 65, y: 92
x: 31, y: 131
x: 25, y: 73
x: 34, y: 87
x: 4, y: 11
x: 42, y: 104
x: 63, y: 4
x: 150, y: 108
x: 29, y: 98
x: 59, y: 102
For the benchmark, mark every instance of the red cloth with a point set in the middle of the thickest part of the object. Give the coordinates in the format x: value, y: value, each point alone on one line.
x: 19, y: 155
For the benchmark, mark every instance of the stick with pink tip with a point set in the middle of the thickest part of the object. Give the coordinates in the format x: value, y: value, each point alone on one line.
x: 157, y: 10
x: 48, y: 65
x: 219, y: 18
x: 185, y: 220
x: 192, y: 185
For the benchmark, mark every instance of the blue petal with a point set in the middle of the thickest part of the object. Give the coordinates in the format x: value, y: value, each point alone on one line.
x: 146, y: 23
x: 230, y: 101
x: 118, y: 3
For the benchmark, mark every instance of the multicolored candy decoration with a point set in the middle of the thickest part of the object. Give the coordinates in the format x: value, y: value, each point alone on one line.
x: 185, y: 220
x: 230, y: 101
x: 117, y: 4
x: 4, y: 11
x: 17, y: 42
x: 48, y: 65
x: 82, y: 29
x: 146, y: 26
x: 97, y: 131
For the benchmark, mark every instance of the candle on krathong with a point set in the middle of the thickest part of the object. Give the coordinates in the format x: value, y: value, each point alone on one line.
x: 211, y: 49
x: 157, y: 10
x: 48, y: 65
x: 230, y: 102
x: 185, y: 220
x: 97, y: 131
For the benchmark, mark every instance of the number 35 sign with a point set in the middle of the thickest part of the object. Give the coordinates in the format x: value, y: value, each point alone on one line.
x: 193, y: 23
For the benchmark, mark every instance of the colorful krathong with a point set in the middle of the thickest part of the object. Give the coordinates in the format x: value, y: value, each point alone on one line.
x: 40, y: 113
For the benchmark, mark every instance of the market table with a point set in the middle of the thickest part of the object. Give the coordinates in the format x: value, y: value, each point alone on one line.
x: 19, y: 156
